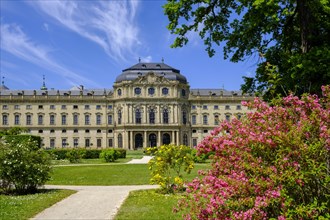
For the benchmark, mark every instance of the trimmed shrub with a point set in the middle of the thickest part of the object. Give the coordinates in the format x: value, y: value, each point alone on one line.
x: 23, y: 165
x: 121, y: 152
x: 92, y: 154
x: 75, y: 155
x: 109, y: 155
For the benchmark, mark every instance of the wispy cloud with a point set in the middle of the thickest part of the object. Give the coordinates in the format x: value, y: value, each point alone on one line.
x: 17, y: 43
x: 110, y: 24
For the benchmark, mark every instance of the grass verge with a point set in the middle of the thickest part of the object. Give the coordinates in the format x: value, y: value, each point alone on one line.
x: 27, y: 206
x: 148, y: 205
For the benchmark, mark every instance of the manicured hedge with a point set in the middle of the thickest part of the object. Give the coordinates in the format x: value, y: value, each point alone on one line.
x: 61, y: 154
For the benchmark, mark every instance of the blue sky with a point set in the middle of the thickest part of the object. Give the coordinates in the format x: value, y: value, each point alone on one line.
x: 90, y: 42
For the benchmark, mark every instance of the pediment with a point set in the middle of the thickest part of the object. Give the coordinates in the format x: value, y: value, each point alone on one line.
x: 151, y: 78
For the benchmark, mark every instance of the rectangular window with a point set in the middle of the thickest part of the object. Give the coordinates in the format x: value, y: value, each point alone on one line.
x: 28, y: 107
x: 52, y: 106
x: 64, y: 143
x: 238, y: 107
x: 216, y: 119
x: 63, y: 107
x: 98, y: 106
x: 17, y: 120
x: 40, y: 107
x: 228, y: 117
x: 227, y: 107
x: 193, y: 119
x: 87, y: 120
x: 87, y: 142
x: 86, y: 106
x: 75, y: 107
x: 75, y: 119
x: 204, y: 107
x: 193, y: 107
x: 109, y: 119
x: 52, y: 143
x: 194, y: 141
x: 28, y: 119
x: 110, y: 141
x: 98, y: 119
x: 52, y: 119
x: 205, y: 120
x: 75, y: 142
x: 63, y: 119
x: 40, y: 119
x: 109, y: 106
x: 5, y: 119
x: 216, y: 107
x: 99, y: 142
x: 5, y: 107
x: 16, y: 107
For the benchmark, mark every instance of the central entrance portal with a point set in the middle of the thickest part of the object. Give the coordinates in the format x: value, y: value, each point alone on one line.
x: 152, y: 140
x: 138, y: 141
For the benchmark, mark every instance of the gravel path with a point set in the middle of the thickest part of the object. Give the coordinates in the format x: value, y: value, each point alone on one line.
x: 91, y: 202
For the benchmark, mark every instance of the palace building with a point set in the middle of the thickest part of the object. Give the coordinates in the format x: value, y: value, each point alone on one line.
x: 150, y: 104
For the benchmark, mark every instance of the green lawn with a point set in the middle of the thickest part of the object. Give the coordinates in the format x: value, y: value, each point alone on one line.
x: 27, y: 206
x: 148, y: 205
x: 114, y: 174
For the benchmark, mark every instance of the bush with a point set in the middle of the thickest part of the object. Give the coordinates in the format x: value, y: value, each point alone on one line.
x: 23, y: 165
x: 121, y: 152
x: 272, y: 164
x: 167, y: 164
x: 92, y: 154
x: 200, y: 158
x: 109, y: 155
x: 75, y: 155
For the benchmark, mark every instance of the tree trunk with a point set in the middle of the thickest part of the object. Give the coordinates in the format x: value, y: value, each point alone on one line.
x: 304, y: 17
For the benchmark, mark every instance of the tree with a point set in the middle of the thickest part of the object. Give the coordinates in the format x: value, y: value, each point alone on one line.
x: 291, y: 38
x: 272, y: 164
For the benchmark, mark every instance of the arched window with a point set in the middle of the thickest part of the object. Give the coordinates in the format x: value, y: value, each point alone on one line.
x: 51, y: 119
x: 138, y: 116
x: 165, y: 91
x: 152, y: 116
x: 75, y: 119
x: 165, y: 116
x: 98, y: 119
x: 137, y: 91
x: 120, y: 141
x: 185, y: 139
x: 138, y: 141
x: 166, y: 138
x: 63, y: 119
x: 87, y: 120
x: 5, y: 119
x: 152, y: 140
x: 151, y: 91
x: 216, y: 119
x: 17, y: 121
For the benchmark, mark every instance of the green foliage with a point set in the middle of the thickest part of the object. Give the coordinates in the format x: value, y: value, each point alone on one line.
x: 75, y: 155
x: 91, y: 154
x: 23, y: 165
x: 12, y: 131
x: 292, y: 36
x: 167, y: 166
x: 121, y: 152
x: 109, y: 155
x: 16, y: 139
x: 200, y: 158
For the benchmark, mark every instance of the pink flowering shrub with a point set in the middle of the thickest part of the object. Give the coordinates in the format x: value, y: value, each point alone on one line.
x: 272, y: 164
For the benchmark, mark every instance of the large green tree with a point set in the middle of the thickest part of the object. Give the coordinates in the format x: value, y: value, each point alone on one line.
x: 291, y: 38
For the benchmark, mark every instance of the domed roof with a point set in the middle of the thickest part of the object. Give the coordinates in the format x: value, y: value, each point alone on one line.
x: 159, y: 69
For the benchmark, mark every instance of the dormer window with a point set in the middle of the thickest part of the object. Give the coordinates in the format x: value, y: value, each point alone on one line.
x: 144, y: 66
x: 119, y: 92
x: 137, y: 91
x: 158, y: 65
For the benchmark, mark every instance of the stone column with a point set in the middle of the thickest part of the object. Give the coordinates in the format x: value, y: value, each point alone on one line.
x: 177, y: 137
x: 131, y: 140
x: 145, y: 140
x: 159, y: 139
x: 173, y: 137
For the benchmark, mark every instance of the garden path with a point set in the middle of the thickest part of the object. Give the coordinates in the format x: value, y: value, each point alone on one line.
x: 91, y: 202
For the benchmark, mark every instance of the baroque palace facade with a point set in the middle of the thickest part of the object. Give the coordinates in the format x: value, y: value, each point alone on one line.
x: 150, y: 104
